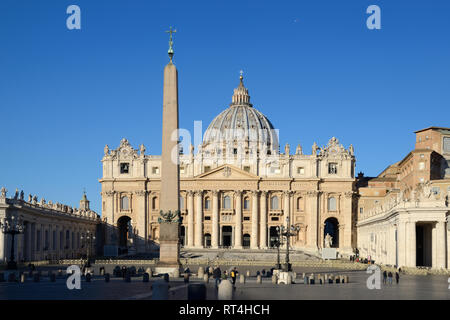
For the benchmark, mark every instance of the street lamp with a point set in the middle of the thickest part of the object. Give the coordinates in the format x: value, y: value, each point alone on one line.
x: 278, y: 244
x: 88, y: 240
x: 287, y: 232
x: 12, y: 227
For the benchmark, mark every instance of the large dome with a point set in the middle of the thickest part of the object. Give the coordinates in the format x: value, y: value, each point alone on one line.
x: 240, y: 125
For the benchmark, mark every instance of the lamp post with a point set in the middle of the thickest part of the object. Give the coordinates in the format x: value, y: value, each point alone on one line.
x: 88, y: 240
x: 278, y: 244
x: 287, y: 232
x: 12, y: 227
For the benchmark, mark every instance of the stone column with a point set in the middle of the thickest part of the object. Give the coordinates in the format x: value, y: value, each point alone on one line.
x: 313, y: 217
x: 411, y: 240
x: 215, y: 220
x: 199, y: 219
x: 190, y: 228
x: 346, y: 213
x: 402, y: 243
x: 3, y: 247
x: 263, y: 224
x: 28, y: 241
x: 254, y: 236
x: 440, y: 245
x: 238, y: 230
x: 140, y: 205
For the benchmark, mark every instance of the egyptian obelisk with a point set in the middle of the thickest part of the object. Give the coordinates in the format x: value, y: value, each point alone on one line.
x: 170, y: 179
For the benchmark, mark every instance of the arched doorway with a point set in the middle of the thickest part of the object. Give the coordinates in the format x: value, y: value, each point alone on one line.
x: 331, y: 227
x: 123, y: 229
x: 226, y: 236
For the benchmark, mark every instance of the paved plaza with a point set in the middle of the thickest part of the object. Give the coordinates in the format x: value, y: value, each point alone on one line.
x: 410, y: 287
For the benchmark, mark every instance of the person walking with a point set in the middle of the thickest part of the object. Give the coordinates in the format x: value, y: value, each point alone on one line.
x: 397, y: 277
x: 217, y: 273
x: 384, y: 276
x: 233, y: 274
x: 390, y: 277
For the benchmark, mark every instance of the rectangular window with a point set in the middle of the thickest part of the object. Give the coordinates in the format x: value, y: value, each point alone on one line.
x: 300, y: 170
x: 446, y: 144
x: 275, y: 170
x: 246, y: 204
x: 332, y: 204
x: 207, y: 218
x: 54, y: 239
x: 246, y: 218
x: 421, y: 165
x: 207, y: 168
x: 332, y: 168
x: 274, y: 219
x: 155, y: 170
x: 247, y: 168
x: 207, y: 204
x: 124, y: 167
x: 361, y: 210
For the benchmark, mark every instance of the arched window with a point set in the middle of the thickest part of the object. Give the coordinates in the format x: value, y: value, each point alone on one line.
x: 274, y: 203
x: 181, y: 203
x: 124, y: 203
x: 299, y: 204
x: 154, y: 199
x: 207, y: 203
x: 226, y: 202
x: 332, y: 204
x: 246, y: 204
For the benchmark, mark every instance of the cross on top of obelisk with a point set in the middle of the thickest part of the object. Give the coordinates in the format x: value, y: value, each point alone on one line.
x: 170, y: 52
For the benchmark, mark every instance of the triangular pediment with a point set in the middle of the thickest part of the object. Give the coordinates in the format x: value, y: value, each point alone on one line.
x: 228, y: 172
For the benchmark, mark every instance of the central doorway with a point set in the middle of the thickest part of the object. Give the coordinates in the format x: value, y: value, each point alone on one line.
x: 227, y: 232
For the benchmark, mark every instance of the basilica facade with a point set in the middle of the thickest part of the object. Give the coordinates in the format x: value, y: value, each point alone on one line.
x: 236, y: 187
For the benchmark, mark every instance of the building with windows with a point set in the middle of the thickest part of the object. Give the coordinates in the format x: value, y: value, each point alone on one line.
x: 403, y: 213
x: 235, y: 189
x: 51, y: 230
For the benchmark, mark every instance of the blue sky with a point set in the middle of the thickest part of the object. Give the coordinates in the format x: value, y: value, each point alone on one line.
x: 312, y: 67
